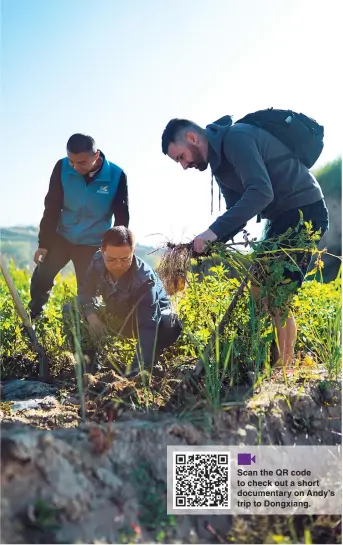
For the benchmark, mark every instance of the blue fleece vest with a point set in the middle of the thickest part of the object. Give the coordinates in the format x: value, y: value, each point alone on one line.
x: 87, y: 208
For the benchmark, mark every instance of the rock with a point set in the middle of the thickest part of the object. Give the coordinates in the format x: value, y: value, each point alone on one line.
x: 303, y: 402
x: 109, y: 479
x: 21, y: 445
x: 189, y: 433
x: 334, y: 412
x: 318, y: 423
x: 73, y: 400
x: 16, y: 390
x: 45, y: 403
x: 331, y: 391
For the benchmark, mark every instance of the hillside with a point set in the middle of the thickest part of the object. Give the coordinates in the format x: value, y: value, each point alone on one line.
x: 20, y: 242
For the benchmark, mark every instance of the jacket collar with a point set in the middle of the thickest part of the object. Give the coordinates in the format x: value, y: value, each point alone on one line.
x: 104, y: 174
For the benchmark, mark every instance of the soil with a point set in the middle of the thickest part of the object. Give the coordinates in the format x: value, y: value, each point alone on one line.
x: 104, y: 480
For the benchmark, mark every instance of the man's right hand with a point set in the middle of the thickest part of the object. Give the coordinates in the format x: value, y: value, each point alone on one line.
x: 97, y: 328
x: 40, y: 255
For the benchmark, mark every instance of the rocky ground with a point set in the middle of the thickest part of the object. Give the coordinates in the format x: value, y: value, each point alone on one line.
x: 68, y: 481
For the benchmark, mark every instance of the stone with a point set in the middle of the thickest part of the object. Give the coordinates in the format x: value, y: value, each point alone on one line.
x: 16, y: 390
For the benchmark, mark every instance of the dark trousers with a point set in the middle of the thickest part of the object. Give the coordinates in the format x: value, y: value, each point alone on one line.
x: 57, y: 257
x: 169, y: 331
x: 318, y: 214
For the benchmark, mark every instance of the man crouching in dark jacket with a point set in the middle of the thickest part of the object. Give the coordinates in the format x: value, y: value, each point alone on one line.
x: 133, y: 293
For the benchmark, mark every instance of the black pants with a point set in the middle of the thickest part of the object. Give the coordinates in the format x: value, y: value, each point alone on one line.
x: 169, y: 331
x: 317, y: 213
x: 57, y: 257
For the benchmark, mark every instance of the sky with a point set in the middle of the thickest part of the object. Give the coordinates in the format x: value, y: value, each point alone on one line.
x: 120, y: 70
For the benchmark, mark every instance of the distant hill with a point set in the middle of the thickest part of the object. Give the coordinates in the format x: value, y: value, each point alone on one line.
x: 20, y: 244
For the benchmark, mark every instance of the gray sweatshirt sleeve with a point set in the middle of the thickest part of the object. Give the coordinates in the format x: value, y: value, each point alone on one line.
x: 231, y: 197
x: 242, y: 152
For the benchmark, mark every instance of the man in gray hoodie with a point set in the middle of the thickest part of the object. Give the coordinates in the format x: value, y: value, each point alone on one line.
x: 238, y: 156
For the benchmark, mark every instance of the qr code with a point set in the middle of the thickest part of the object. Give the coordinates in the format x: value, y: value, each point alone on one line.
x: 201, y: 481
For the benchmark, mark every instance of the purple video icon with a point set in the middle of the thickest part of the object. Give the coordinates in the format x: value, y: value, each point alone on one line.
x: 245, y: 459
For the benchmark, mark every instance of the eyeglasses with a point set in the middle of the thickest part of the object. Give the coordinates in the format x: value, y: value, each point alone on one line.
x: 118, y: 259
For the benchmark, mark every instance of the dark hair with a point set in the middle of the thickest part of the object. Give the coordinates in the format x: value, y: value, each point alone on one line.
x: 81, y: 143
x: 173, y: 130
x: 118, y: 236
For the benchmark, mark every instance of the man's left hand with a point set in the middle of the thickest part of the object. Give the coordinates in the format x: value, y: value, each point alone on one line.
x: 200, y: 242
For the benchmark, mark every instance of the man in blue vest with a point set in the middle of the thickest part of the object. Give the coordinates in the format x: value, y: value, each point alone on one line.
x: 85, y: 192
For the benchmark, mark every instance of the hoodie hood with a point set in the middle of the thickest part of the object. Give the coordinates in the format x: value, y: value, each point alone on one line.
x: 215, y: 133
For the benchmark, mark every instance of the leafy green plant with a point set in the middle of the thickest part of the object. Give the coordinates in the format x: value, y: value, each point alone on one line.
x: 242, y: 347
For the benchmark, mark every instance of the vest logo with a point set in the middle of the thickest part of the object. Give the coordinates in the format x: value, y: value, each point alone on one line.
x: 103, y: 189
